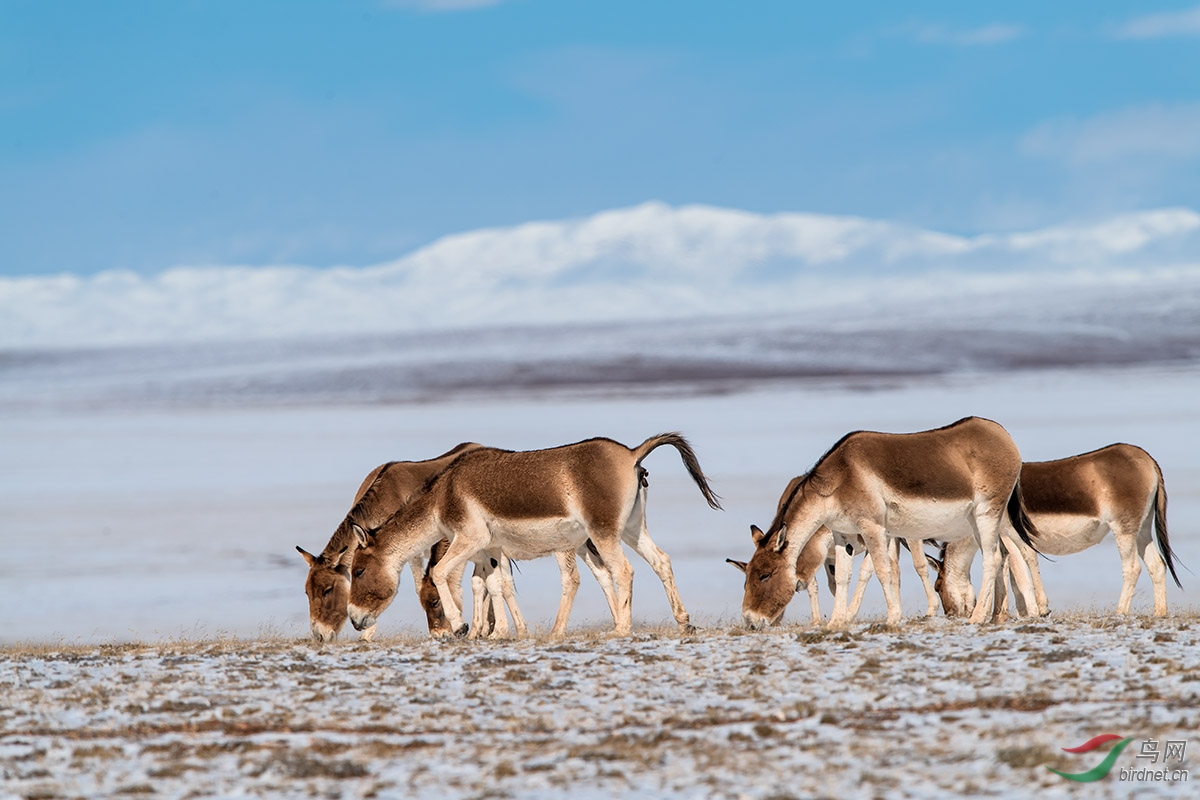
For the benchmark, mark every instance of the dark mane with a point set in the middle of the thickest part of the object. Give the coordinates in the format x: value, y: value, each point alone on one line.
x: 808, y: 477
x: 429, y: 483
x: 458, y: 448
x: 802, y: 484
x: 343, y: 535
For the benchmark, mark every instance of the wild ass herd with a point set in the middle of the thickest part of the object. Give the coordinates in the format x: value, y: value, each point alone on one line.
x: 962, y: 489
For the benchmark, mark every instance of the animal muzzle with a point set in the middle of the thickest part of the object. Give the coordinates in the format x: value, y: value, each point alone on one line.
x: 323, y: 633
x: 360, y: 618
x: 755, y: 622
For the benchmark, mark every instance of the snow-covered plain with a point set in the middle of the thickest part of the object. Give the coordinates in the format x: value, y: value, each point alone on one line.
x: 935, y: 709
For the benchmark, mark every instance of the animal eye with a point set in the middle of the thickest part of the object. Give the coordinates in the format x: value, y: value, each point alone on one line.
x: 436, y: 603
x: 327, y: 590
x: 766, y: 576
x: 358, y: 573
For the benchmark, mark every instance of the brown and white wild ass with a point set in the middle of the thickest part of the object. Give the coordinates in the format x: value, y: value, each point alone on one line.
x: 958, y: 481
x: 1074, y: 502
x: 527, y: 505
x: 821, y: 551
x: 383, y: 492
x: 568, y: 572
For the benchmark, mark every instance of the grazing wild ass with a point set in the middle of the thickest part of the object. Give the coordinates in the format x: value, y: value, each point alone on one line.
x: 527, y: 505
x: 568, y: 572
x: 953, y: 482
x: 383, y: 492
x: 1074, y: 502
x: 821, y: 551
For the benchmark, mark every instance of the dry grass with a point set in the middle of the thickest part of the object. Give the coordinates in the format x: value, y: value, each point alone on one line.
x: 658, y: 713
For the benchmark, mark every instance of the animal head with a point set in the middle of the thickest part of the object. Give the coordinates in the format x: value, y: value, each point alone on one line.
x: 328, y: 590
x: 374, y: 585
x: 956, y: 601
x: 770, y: 579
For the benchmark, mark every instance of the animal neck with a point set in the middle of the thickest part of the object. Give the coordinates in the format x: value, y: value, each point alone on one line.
x: 343, y: 537
x: 414, y: 528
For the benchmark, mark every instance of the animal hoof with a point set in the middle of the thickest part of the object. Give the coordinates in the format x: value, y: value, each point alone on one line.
x: 462, y: 630
x: 687, y: 629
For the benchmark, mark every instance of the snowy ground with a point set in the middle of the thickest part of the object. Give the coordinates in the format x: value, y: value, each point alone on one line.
x: 936, y: 709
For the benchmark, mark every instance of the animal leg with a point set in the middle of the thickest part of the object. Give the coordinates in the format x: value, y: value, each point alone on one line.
x: 480, y: 601
x: 1000, y: 600
x: 1035, y: 596
x: 660, y: 562
x: 508, y: 589
x: 876, y: 540
x: 468, y: 541
x: 499, y: 597
x: 1131, y: 568
x: 1154, y: 565
x: 916, y: 549
x: 814, y: 601
x: 843, y: 567
x: 1027, y: 582
x: 987, y: 527
x: 866, y: 571
x: 568, y: 572
x: 608, y: 544
x: 598, y: 569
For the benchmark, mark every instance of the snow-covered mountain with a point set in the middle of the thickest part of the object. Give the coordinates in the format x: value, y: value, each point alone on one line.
x: 651, y: 262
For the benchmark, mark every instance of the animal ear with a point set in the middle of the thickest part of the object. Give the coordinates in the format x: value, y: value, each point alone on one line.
x: 933, y: 562
x: 781, y: 539
x: 756, y: 534
x: 312, y: 560
x: 336, y: 560
x: 359, y: 534
x: 741, y: 565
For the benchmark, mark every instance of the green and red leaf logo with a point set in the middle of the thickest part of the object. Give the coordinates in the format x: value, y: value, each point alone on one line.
x: 1104, y: 767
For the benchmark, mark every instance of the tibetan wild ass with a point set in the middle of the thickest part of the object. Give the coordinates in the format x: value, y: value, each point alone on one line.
x: 527, y: 505
x: 383, y: 492
x: 1074, y: 502
x: 820, y: 551
x: 569, y: 573
x: 950, y: 483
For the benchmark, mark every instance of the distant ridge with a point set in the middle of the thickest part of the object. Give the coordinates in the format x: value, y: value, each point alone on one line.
x: 648, y: 262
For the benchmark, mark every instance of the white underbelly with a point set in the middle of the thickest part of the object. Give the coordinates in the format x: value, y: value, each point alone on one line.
x: 534, y: 538
x: 1065, y: 534
x: 943, y: 520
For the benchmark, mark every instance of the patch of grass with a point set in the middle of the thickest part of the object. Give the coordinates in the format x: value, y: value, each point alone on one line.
x: 301, y: 766
x: 1029, y: 756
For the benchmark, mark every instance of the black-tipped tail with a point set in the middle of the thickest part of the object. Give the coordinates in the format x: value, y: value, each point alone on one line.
x: 1018, y: 515
x: 1160, y: 525
x: 690, y: 462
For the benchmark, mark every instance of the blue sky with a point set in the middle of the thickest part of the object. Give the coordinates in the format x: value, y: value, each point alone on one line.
x: 146, y: 135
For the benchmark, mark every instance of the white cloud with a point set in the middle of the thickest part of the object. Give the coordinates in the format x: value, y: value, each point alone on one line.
x: 1160, y: 26
x: 1155, y: 130
x: 995, y: 33
x: 650, y: 262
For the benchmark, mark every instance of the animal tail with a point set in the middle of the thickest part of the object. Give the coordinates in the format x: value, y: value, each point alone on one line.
x: 1018, y: 515
x: 1160, y: 525
x: 688, y: 455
